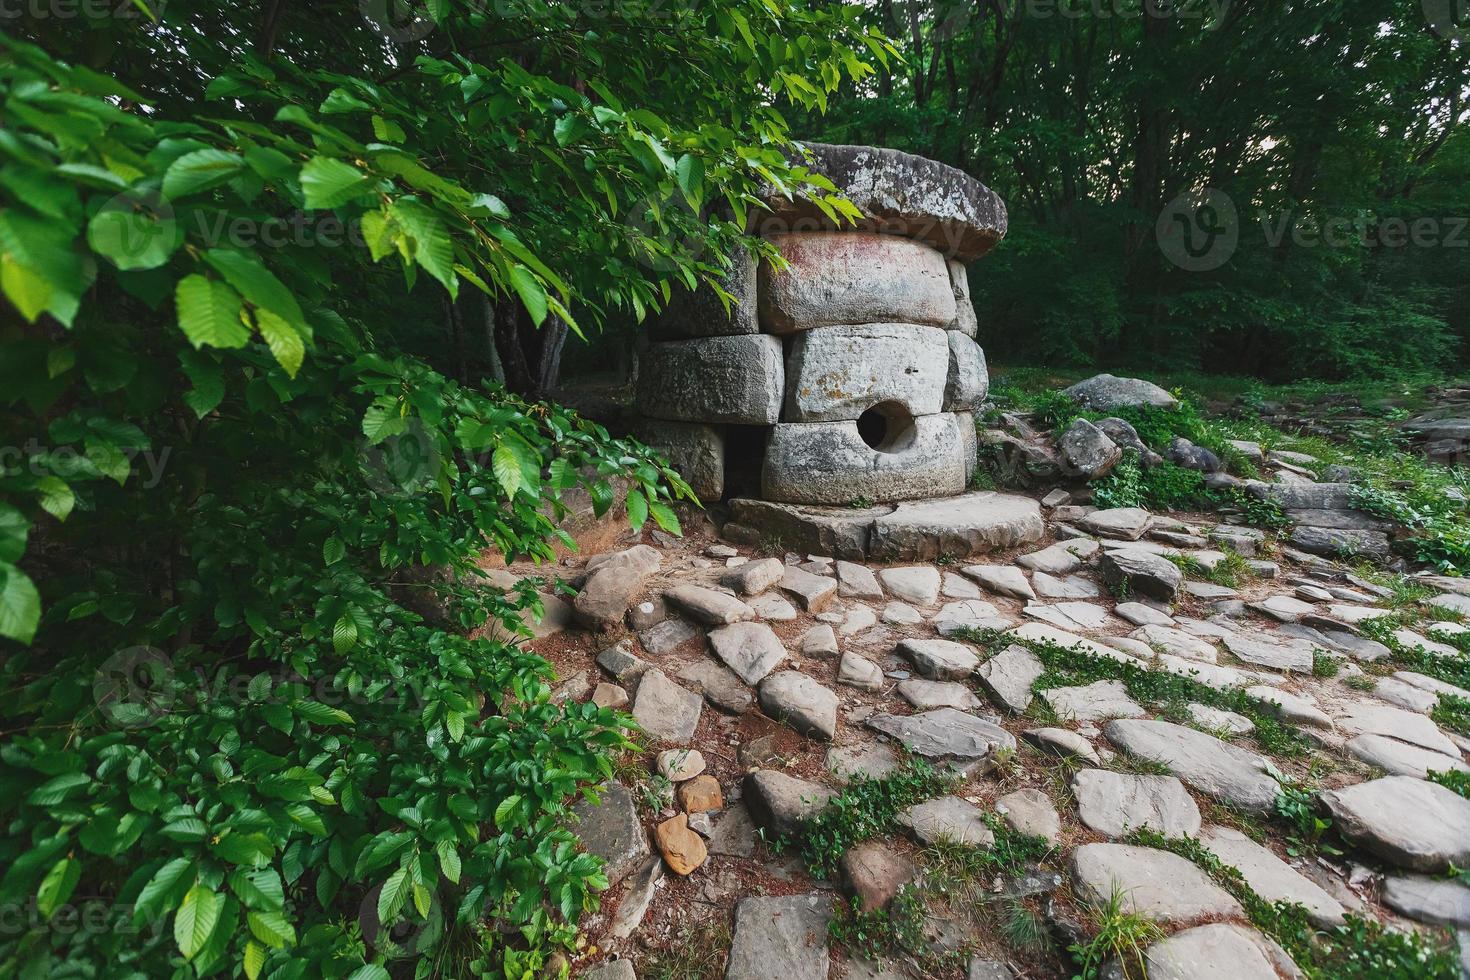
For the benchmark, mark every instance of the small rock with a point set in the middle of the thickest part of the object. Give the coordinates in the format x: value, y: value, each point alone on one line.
x: 621, y: 663
x: 782, y: 804
x: 719, y: 686
x: 1126, y: 523
x: 860, y: 672
x: 1008, y: 676
x: 875, y: 873
x: 1004, y: 580
x: 856, y: 581
x: 647, y: 614
x: 1140, y: 573
x: 940, y: 660
x: 701, y: 794
x: 733, y: 834
x: 755, y: 577
x: 667, y: 636
x: 634, y: 906
x: 874, y: 760
x: 682, y: 848
x: 1030, y: 811
x: 665, y: 710
x: 612, y: 970
x: 708, y: 606
x: 901, y: 614
x: 677, y: 765
x: 819, y: 641
x: 947, y: 818
x: 1062, y: 742
x: 812, y: 591
x: 751, y: 650
x: 926, y: 695
x: 612, y: 582
x: 610, y: 696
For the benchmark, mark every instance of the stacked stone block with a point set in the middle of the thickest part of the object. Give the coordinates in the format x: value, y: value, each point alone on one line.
x: 858, y: 354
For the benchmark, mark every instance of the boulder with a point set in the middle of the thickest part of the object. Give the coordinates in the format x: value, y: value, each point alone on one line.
x: 1126, y: 436
x: 782, y: 804
x: 968, y: 379
x: 1104, y: 391
x: 838, y: 373
x: 801, y: 702
x: 1157, y: 885
x: 955, y: 527
x: 738, y: 380
x: 1408, y: 822
x: 751, y: 650
x: 898, y: 194
x: 1086, y: 452
x: 780, y: 937
x: 1115, y: 804
x: 613, y: 582
x: 1140, y: 573
x: 701, y: 312
x: 859, y: 672
x: 833, y: 278
x: 1217, y: 769
x: 1182, y: 452
x: 665, y: 710
x: 832, y: 463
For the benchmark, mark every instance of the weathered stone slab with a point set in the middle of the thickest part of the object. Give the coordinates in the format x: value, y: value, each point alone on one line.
x: 739, y: 380
x: 700, y: 312
x: 755, y: 577
x: 969, y: 614
x: 1156, y: 884
x: 841, y: 532
x: 666, y: 637
x: 1140, y: 573
x: 751, y: 650
x: 1269, y: 876
x: 1093, y: 702
x: 1105, y: 391
x: 665, y: 710
x: 874, y: 873
x: 956, y: 526
x: 968, y: 378
x: 1062, y: 742
x: 899, y: 194
x: 926, y: 695
x: 857, y: 581
x: 947, y: 818
x: 1030, y: 812
x: 1115, y: 804
x: 719, y: 686
x: 800, y: 702
x: 1376, y: 717
x: 830, y: 463
x: 782, y: 804
x: 1341, y: 543
x: 1402, y: 759
x: 1219, y: 951
x: 611, y: 830
x: 695, y: 450
x: 1408, y: 822
x: 853, y: 277
x: 1434, y: 900
x: 1125, y: 523
x: 780, y: 937
x: 1265, y: 653
x: 947, y: 734
x: 940, y: 660
x: 1005, y: 580
x: 859, y: 672
x: 918, y: 584
x: 874, y: 760
x: 1008, y: 676
x: 964, y: 321
x: 1217, y: 769
x: 708, y: 606
x: 838, y: 373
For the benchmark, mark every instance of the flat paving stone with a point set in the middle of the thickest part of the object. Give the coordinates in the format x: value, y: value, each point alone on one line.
x: 1214, y: 719
x: 1006, y: 580
x: 947, y: 818
x: 668, y: 636
x: 1400, y: 758
x: 1030, y: 812
x: 856, y: 581
x: 901, y: 614
x: 1007, y: 677
x: 1157, y: 885
x: 798, y: 700
x: 1093, y: 702
x: 956, y: 527
x: 665, y: 710
x: 1407, y: 822
x: 708, y: 606
x: 940, y: 660
x: 782, y: 804
x: 874, y: 760
x: 860, y: 672
x: 1269, y: 876
x: 1116, y: 804
x: 780, y: 937
x: 1377, y: 718
x: 925, y: 695
x: 813, y: 592
x: 1437, y: 901
x: 751, y: 650
x: 1142, y: 615
x: 611, y: 830
x: 773, y: 608
x: 1125, y: 523
x: 1071, y: 587
x: 1218, y: 769
x: 719, y: 685
x: 1219, y: 951
x: 970, y: 743
x: 1058, y: 559
x: 1176, y: 643
x: 1062, y: 742
x: 969, y: 614
x: 1260, y: 652
x: 1283, y: 608
x: 1294, y: 709
x: 918, y: 584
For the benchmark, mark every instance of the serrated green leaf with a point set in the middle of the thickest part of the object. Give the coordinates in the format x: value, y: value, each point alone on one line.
x: 690, y: 174
x: 57, y: 497
x: 284, y: 340
x: 432, y: 248
x: 195, y: 920
x: 250, y: 277
x: 637, y: 509
x: 209, y: 312
x: 271, y: 928
x: 58, y: 885
x: 449, y: 865
x: 344, y: 635
x: 20, y: 605
x: 531, y: 292
x: 199, y: 171
x: 254, y: 959
x: 164, y: 888
x: 506, y: 808
x: 507, y: 470
x: 394, y: 894
x: 664, y: 517
x: 327, y: 182
x: 333, y: 550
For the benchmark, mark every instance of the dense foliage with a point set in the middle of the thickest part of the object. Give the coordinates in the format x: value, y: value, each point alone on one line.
x: 261, y: 715
x: 1332, y: 134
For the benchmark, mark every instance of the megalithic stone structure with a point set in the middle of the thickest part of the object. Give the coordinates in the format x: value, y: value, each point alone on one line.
x: 852, y: 372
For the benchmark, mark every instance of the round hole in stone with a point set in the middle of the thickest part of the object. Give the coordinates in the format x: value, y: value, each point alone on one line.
x: 887, y: 427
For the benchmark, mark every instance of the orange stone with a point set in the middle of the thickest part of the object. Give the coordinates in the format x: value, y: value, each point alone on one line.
x: 700, y: 794
x: 682, y: 848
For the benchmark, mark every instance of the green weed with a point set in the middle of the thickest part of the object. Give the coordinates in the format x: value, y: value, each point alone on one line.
x: 1122, y: 938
